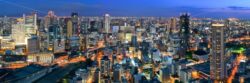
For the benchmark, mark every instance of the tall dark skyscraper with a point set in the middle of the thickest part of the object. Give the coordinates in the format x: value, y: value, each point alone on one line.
x: 75, y: 23
x: 184, y: 31
x: 217, y: 59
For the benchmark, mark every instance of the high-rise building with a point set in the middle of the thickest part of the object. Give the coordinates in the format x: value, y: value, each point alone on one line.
x: 217, y: 58
x: 33, y: 45
x: 165, y: 75
x: 117, y: 74
x: 54, y: 31
x: 19, y: 34
x: 53, y: 34
x: 73, y: 43
x: 106, y: 23
x: 75, y: 23
x: 106, y: 28
x: 30, y: 24
x: 69, y: 29
x: 97, y: 76
x: 69, y: 34
x: 83, y: 42
x: 50, y: 19
x: 184, y: 32
x: 145, y: 50
x: 84, y: 37
x: 173, y: 25
x: 105, y: 69
x: 94, y: 26
x: 134, y: 42
x: 5, y: 25
x: 24, y: 29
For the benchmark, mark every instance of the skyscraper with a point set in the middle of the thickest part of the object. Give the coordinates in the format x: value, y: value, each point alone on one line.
x: 172, y: 25
x: 106, y: 23
x: 84, y: 36
x: 75, y: 24
x: 19, y: 34
x: 184, y: 32
x: 69, y: 29
x: 117, y: 73
x: 105, y: 66
x: 54, y: 34
x: 30, y: 24
x: 50, y: 19
x: 217, y: 59
x: 33, y: 45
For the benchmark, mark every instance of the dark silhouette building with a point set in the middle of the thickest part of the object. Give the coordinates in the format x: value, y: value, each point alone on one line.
x: 184, y: 31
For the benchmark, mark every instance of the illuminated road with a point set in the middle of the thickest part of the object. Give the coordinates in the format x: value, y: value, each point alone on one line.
x: 238, y: 59
x: 239, y: 39
x: 66, y: 66
x: 17, y: 65
x: 235, y: 68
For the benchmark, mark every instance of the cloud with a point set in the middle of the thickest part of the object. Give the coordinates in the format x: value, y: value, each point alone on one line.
x: 118, y: 8
x: 238, y: 8
x: 216, y: 12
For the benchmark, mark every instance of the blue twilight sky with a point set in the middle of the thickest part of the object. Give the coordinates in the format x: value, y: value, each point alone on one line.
x: 166, y: 8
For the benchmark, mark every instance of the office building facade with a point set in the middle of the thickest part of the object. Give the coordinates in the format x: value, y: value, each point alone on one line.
x: 217, y: 58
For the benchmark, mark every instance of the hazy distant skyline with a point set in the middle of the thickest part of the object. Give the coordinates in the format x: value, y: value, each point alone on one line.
x: 164, y: 8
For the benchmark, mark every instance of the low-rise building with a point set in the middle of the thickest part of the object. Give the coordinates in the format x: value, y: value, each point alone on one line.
x: 41, y: 57
x: 7, y: 43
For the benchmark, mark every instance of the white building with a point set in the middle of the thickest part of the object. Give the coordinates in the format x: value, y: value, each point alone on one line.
x: 30, y: 23
x: 106, y: 23
x: 19, y: 34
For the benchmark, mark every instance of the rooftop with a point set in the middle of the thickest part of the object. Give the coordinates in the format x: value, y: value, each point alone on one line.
x: 203, y: 67
x: 200, y: 52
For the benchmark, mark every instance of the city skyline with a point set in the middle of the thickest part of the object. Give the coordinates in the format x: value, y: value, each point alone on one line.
x: 124, y: 41
x: 156, y: 8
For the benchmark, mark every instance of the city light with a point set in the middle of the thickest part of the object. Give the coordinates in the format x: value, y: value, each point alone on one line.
x: 128, y: 41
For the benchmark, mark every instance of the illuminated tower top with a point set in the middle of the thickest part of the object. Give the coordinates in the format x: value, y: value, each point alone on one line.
x: 51, y: 14
x: 74, y: 17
